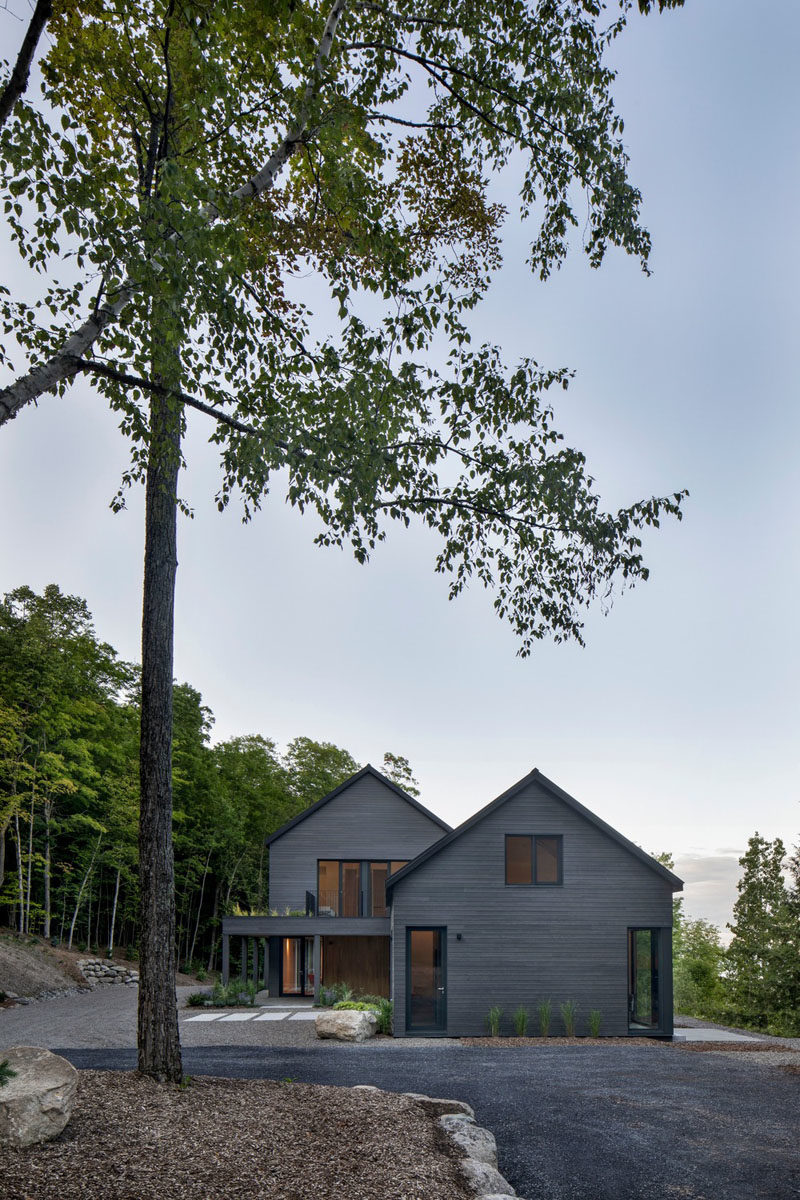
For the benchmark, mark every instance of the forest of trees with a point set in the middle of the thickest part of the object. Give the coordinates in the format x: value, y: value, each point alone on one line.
x: 69, y: 762
x: 69, y: 786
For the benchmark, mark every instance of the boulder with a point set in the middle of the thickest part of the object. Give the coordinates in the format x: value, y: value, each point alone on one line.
x: 346, y: 1025
x: 473, y: 1139
x: 485, y: 1180
x: 438, y: 1108
x: 37, y: 1103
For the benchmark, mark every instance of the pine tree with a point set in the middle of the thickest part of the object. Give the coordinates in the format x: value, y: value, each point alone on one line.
x: 758, y: 933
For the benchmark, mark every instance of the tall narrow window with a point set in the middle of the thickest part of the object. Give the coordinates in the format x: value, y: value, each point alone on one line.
x: 377, y: 888
x: 548, y: 859
x: 328, y: 888
x: 519, y: 859
x: 351, y: 888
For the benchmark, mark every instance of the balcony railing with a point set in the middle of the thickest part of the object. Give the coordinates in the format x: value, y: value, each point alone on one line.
x: 334, y: 904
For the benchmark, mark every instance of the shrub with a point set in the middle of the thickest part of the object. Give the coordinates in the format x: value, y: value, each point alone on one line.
x: 201, y: 974
x: 493, y: 1020
x: 595, y: 1020
x: 5, y: 1072
x: 238, y: 991
x: 198, y: 999
x: 545, y: 1011
x: 569, y: 1010
x: 353, y: 1006
x: 334, y: 993
x: 521, y: 1017
x: 385, y: 1016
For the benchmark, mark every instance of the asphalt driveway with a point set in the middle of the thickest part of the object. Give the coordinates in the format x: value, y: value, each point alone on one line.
x: 572, y: 1123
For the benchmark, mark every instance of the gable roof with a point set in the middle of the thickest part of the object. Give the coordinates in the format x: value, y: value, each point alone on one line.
x: 536, y: 776
x: 367, y: 770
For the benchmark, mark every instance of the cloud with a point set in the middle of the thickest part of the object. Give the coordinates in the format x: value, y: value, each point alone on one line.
x: 710, y: 886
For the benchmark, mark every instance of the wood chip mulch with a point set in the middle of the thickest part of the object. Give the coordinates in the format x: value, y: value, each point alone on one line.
x: 222, y: 1139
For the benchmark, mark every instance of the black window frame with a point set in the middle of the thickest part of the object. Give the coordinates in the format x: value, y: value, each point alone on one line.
x: 534, y: 837
x: 365, y: 882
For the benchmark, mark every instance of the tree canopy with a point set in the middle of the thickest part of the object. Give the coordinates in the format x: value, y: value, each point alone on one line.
x: 201, y: 157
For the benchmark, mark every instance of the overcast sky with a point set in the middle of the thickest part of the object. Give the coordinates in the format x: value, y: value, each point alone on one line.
x: 678, y: 722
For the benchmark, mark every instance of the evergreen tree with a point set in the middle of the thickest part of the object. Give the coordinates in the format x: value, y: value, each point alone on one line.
x: 758, y: 930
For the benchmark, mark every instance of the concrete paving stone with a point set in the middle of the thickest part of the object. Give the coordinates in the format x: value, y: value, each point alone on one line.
x: 204, y: 1017
x: 238, y: 1017
x: 272, y: 1016
x: 712, y: 1035
x: 303, y: 1016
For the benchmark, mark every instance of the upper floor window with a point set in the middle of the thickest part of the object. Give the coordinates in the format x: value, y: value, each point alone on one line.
x: 353, y: 888
x: 534, y: 858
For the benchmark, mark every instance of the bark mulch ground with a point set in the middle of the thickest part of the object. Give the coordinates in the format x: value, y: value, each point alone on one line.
x: 734, y: 1047
x: 223, y: 1139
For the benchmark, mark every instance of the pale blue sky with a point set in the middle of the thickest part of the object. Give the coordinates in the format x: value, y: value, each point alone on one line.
x: 678, y: 722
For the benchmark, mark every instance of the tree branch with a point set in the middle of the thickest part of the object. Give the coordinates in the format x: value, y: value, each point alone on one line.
x: 89, y: 366
x: 61, y: 366
x: 18, y: 80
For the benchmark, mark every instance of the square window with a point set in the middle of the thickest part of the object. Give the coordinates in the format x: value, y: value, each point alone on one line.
x: 534, y: 859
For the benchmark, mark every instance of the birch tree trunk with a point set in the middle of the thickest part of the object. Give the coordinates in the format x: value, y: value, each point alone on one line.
x: 84, y: 881
x: 30, y: 864
x: 20, y: 884
x: 48, y: 809
x: 158, y: 1041
x: 113, y: 916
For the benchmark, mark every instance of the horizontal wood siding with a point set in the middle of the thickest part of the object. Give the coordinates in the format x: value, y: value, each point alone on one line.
x: 366, y: 821
x: 524, y: 944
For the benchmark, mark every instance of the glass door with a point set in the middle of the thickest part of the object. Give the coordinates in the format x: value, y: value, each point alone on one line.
x: 297, y: 966
x: 644, y: 984
x: 426, y: 996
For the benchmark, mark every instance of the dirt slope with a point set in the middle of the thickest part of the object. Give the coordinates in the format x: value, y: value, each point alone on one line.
x: 29, y: 969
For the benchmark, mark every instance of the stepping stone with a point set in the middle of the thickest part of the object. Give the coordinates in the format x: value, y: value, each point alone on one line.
x: 303, y: 1016
x: 203, y: 1017
x: 238, y: 1017
x: 273, y: 1016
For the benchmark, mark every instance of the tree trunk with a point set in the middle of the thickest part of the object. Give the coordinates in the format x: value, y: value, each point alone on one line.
x: 3, y: 854
x: 113, y: 916
x: 212, y: 957
x: 20, y: 885
x: 199, y: 907
x: 159, y: 1045
x: 48, y: 808
x: 84, y: 881
x: 30, y: 864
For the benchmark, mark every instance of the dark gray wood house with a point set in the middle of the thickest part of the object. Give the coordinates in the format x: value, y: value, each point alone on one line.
x: 534, y: 898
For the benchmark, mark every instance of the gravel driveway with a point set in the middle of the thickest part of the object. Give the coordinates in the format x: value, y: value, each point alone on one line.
x: 572, y: 1122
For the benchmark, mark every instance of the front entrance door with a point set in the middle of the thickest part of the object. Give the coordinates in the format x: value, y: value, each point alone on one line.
x: 644, y: 980
x: 426, y: 980
x: 297, y: 966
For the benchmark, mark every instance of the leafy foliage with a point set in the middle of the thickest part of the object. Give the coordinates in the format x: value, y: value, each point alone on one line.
x: 194, y: 160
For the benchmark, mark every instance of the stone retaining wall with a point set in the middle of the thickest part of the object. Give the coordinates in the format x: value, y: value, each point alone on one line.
x: 101, y: 971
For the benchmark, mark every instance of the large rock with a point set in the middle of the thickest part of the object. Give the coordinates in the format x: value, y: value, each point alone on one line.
x: 36, y: 1104
x: 484, y: 1180
x: 439, y: 1107
x: 473, y: 1139
x: 346, y: 1025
